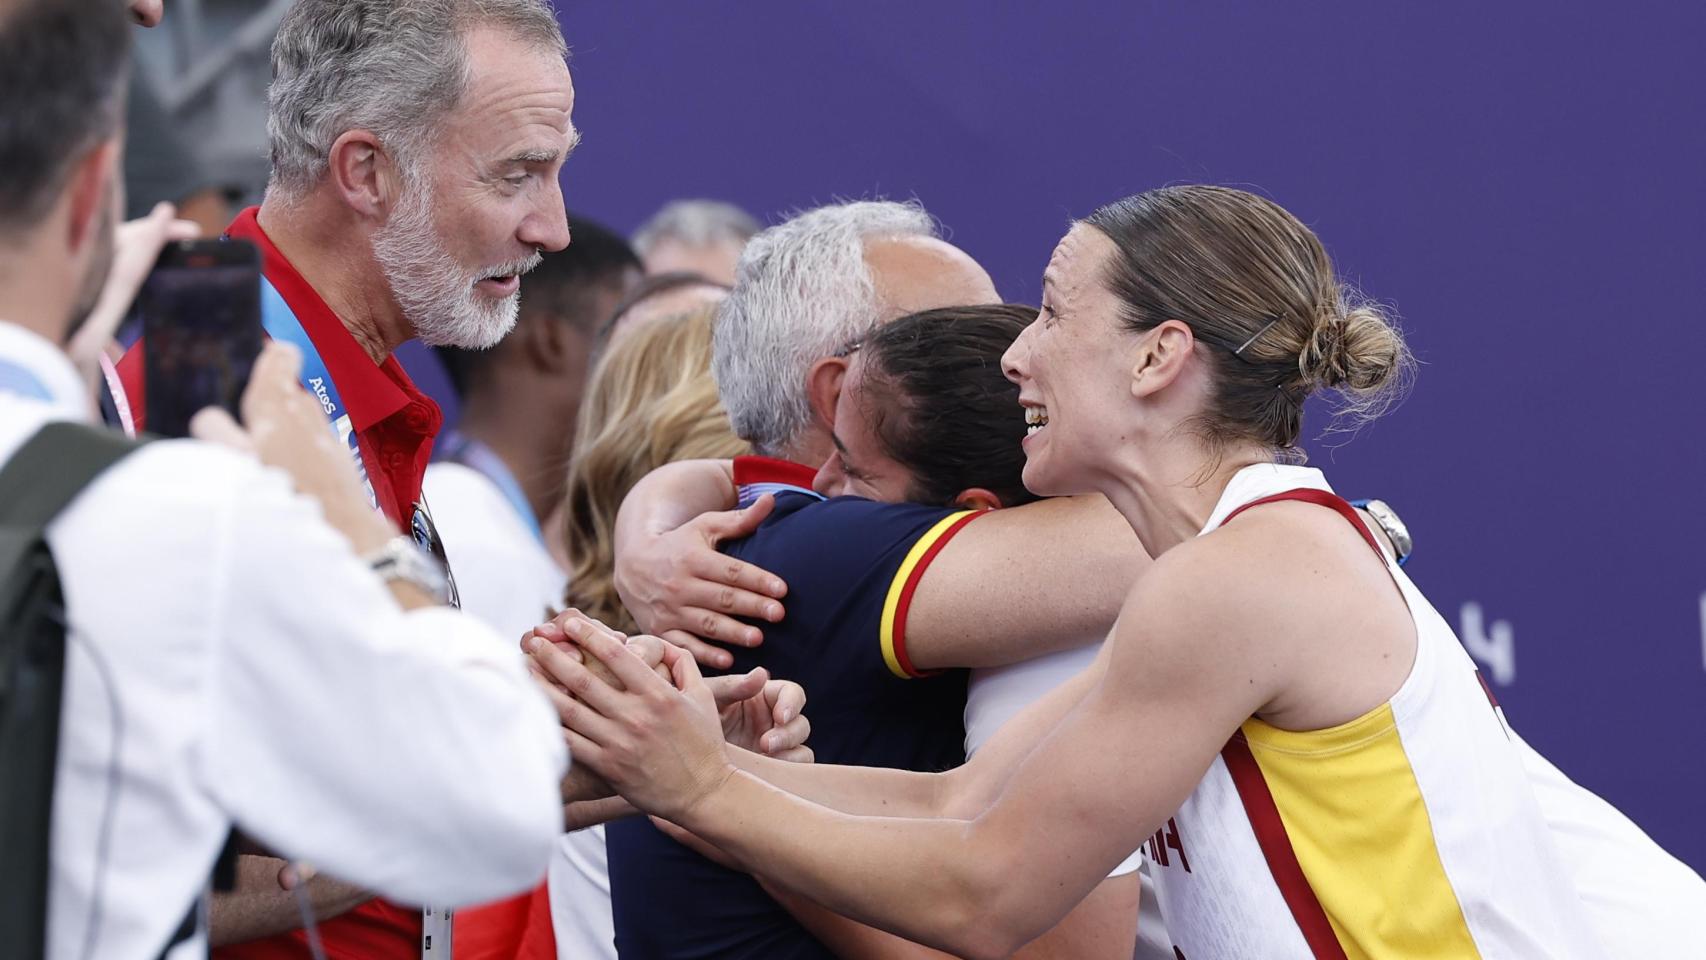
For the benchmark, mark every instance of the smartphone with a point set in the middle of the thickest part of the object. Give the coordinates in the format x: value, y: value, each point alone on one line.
x: 201, y: 330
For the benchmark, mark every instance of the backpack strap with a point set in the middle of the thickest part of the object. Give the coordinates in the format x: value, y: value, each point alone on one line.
x: 45, y: 474
x: 52, y: 467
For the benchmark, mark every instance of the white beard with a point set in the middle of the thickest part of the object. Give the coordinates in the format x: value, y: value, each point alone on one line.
x: 437, y: 293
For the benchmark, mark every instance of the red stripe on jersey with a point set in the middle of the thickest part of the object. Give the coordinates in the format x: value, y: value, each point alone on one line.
x: 904, y: 606
x: 1486, y: 688
x: 1320, y: 498
x: 1276, y: 849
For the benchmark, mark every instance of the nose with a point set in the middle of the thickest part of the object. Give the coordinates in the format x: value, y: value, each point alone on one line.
x: 1013, y: 360
x: 827, y: 481
x: 547, y: 224
x: 147, y: 12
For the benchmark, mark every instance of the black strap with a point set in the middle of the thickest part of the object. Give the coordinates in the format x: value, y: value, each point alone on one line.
x: 72, y: 453
x: 186, y: 928
x: 46, y: 473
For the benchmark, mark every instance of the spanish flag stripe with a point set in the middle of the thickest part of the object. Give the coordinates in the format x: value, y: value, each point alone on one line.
x: 1276, y: 849
x: 899, y: 600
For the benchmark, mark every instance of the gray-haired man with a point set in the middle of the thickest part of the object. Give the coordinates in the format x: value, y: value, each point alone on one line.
x: 415, y: 151
x: 695, y: 236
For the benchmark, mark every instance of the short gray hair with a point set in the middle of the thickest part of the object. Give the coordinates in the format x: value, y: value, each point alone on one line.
x: 390, y: 66
x: 802, y: 292
x: 696, y: 223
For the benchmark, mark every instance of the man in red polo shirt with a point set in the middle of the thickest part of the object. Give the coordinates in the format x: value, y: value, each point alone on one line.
x: 415, y: 151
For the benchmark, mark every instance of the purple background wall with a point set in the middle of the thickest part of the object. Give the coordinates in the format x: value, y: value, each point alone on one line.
x: 1522, y: 180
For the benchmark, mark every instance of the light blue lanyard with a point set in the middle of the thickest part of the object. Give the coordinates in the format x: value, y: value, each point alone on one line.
x: 281, y: 324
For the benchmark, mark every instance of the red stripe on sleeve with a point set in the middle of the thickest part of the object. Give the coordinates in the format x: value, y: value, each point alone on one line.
x: 904, y: 605
x: 1276, y: 849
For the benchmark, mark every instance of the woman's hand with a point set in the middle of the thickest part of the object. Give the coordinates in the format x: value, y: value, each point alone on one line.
x: 581, y: 783
x: 659, y: 744
x: 763, y: 715
x: 757, y: 713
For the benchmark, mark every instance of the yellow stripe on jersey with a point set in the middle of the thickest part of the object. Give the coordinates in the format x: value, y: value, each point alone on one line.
x: 892, y: 628
x: 1360, y: 829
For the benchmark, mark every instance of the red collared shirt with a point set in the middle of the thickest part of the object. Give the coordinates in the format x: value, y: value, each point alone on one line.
x: 394, y: 422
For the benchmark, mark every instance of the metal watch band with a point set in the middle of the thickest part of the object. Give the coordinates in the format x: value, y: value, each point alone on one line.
x: 401, y: 559
x: 1392, y: 525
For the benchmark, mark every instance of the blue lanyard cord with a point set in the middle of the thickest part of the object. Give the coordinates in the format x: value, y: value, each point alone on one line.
x: 281, y: 324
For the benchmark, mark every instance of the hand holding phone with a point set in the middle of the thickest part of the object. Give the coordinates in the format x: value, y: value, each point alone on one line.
x: 136, y: 249
x: 201, y: 330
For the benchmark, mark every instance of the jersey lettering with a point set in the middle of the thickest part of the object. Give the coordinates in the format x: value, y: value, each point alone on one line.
x: 1167, y: 838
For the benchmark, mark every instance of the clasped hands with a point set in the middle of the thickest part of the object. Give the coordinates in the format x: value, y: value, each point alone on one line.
x: 642, y: 722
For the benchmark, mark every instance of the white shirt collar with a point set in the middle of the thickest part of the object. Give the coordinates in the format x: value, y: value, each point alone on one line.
x: 51, y: 368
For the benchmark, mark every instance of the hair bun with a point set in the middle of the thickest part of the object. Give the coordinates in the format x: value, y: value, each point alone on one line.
x: 1358, y: 350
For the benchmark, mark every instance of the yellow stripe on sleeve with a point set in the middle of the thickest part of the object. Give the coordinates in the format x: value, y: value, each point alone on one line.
x: 1362, y: 834
x: 892, y: 628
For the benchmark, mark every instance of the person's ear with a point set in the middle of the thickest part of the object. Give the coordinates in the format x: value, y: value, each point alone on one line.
x: 550, y: 342
x: 823, y: 387
x: 88, y: 192
x: 366, y: 177
x: 1161, y: 356
x: 977, y: 498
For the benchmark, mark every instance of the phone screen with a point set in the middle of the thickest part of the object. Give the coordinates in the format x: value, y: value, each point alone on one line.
x: 201, y: 330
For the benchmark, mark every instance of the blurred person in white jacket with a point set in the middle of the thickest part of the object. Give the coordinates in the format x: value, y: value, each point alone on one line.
x: 231, y: 658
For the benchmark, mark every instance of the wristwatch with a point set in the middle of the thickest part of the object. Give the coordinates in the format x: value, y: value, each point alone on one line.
x: 401, y: 559
x: 1390, y: 523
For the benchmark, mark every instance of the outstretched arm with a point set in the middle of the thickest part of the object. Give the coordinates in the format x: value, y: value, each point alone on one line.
x: 1102, y: 927
x: 1178, y: 682
x: 964, y: 791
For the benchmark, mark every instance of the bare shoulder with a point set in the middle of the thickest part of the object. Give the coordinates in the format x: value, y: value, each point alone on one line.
x: 1332, y: 622
x: 1194, y: 620
x: 1303, y: 558
x: 1286, y: 605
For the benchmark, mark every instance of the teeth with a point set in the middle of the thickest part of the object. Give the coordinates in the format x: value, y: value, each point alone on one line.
x: 1036, y: 418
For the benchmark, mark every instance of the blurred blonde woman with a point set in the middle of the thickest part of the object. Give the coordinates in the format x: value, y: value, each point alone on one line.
x: 651, y: 401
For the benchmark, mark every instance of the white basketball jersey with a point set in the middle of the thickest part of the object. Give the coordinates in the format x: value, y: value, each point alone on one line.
x: 1410, y: 831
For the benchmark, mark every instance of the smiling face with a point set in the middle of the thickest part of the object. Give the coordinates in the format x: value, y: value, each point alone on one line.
x: 1074, y: 369
x: 486, y: 200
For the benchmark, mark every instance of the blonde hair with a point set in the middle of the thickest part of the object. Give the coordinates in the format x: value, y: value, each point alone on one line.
x: 651, y: 401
